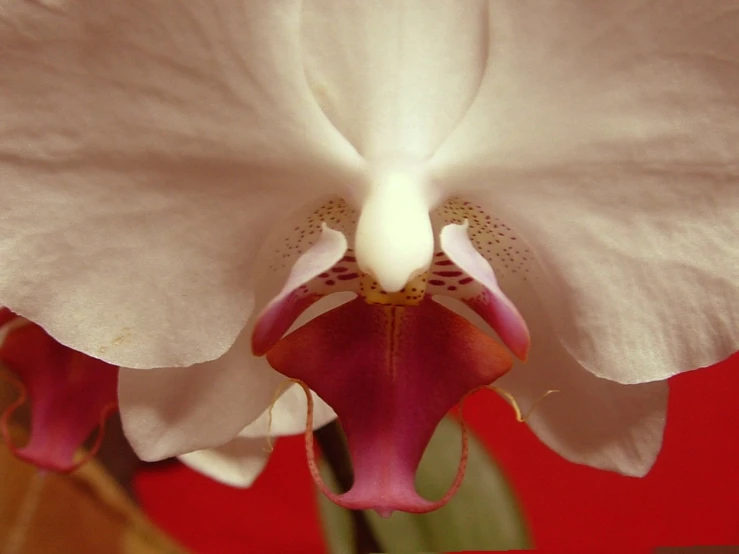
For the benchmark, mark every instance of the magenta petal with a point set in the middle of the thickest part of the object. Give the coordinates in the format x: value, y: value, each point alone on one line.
x: 390, y: 373
x: 70, y: 394
x: 489, y: 302
x: 314, y: 275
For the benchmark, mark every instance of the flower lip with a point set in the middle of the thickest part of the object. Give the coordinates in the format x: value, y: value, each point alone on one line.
x: 372, y: 358
x: 385, y: 370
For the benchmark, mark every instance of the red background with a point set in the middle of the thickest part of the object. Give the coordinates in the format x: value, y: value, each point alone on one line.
x: 690, y: 497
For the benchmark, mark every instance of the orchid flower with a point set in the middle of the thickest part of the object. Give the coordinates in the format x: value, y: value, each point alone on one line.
x: 70, y: 395
x: 179, y: 181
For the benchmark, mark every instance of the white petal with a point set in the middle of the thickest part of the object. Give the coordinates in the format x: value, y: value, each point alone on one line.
x: 591, y: 420
x: 145, y: 150
x: 237, y: 463
x: 395, y: 77
x: 580, y: 82
x: 289, y: 416
x: 614, y: 155
x: 167, y: 412
x: 241, y: 460
x: 640, y: 286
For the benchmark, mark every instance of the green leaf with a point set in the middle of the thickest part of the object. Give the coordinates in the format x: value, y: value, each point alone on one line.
x: 335, y: 520
x: 484, y: 514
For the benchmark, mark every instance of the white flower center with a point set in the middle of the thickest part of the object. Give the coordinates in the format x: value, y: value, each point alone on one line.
x: 394, y: 240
